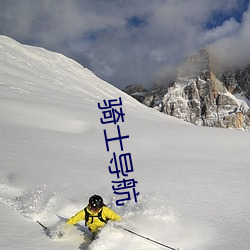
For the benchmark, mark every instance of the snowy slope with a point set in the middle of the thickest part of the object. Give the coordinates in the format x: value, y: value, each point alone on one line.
x: 193, y: 181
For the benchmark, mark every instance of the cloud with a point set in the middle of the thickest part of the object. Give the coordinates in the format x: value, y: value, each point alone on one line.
x: 228, y: 28
x: 125, y: 42
x: 233, y: 49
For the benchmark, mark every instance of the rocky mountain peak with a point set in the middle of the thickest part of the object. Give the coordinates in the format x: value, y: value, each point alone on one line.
x: 196, y: 64
x: 200, y: 96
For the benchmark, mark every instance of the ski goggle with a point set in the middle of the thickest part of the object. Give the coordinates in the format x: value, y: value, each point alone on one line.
x: 94, y: 208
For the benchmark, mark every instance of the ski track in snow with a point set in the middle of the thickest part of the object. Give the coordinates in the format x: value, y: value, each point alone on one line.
x: 148, y: 217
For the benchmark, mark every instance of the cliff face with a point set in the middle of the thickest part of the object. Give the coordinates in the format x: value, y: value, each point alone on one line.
x: 201, y: 97
x: 237, y: 81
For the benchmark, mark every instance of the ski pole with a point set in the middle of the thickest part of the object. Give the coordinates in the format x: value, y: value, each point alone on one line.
x: 45, y: 228
x: 159, y: 243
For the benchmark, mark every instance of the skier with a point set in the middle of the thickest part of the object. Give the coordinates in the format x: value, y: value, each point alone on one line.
x: 95, y: 214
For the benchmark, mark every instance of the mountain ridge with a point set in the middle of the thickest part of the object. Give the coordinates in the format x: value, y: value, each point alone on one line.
x: 201, y: 95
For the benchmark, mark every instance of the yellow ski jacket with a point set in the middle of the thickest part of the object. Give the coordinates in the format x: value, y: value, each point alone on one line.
x: 94, y: 223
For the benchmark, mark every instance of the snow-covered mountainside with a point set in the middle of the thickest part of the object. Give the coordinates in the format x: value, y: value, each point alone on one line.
x: 193, y: 181
x: 200, y: 96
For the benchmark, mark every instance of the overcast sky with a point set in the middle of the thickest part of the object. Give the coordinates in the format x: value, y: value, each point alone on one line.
x: 131, y: 41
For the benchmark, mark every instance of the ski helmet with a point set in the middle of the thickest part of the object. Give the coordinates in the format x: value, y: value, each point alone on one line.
x: 96, y: 202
